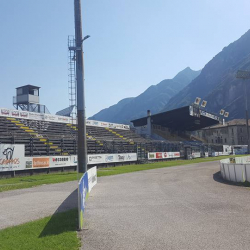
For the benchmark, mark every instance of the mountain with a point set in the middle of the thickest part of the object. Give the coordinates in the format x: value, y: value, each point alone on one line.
x: 154, y: 98
x: 217, y: 82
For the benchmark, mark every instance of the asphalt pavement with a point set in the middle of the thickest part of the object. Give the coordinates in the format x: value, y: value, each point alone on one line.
x: 183, y: 207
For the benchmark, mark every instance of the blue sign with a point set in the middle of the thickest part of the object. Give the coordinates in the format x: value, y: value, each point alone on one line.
x: 83, y: 192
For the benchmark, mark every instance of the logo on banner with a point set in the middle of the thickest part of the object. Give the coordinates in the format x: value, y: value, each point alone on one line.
x: 9, y: 160
x: 109, y: 158
x: 165, y: 155
x: 104, y: 124
x: 15, y: 113
x: 8, y: 152
x: 5, y: 112
x: 40, y: 162
x: 121, y: 157
x: 158, y: 155
x: 63, y: 119
x: 151, y: 156
x: 59, y: 159
x: 95, y: 158
x: 24, y: 114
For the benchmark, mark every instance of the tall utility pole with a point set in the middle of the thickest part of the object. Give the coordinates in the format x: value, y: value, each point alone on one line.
x: 243, y: 74
x: 82, y: 143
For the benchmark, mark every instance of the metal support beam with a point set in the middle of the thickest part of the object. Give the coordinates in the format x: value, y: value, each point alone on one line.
x: 245, y: 75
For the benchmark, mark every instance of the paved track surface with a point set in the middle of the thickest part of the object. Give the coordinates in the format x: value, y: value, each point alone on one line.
x: 184, y: 207
x: 23, y: 205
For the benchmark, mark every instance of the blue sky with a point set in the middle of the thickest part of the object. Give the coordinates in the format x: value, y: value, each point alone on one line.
x: 133, y: 44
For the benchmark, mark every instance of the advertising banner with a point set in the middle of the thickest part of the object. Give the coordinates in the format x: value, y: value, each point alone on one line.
x: 11, y: 157
x: 56, y: 118
x: 19, y: 162
x: 163, y: 155
x: 96, y: 159
x: 159, y: 155
x: 92, y: 177
x: 83, y: 191
x: 196, y: 154
x: 59, y: 161
x: 33, y: 116
x: 28, y: 162
x: 41, y: 162
x: 109, y: 158
x: 212, y: 116
x: 151, y: 156
x: 85, y: 185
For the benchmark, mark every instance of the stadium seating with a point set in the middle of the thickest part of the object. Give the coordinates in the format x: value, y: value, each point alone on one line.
x: 53, y: 138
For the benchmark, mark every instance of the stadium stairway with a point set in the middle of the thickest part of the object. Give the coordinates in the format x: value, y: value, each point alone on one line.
x: 129, y: 137
x: 90, y: 137
x: 32, y: 132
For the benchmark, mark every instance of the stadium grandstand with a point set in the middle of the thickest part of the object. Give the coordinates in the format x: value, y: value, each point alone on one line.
x: 43, y: 140
x: 42, y: 136
x: 178, y: 126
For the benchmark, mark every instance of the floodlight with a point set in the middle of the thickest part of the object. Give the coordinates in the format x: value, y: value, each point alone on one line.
x: 86, y: 37
x: 222, y: 111
x: 197, y: 100
x: 203, y: 104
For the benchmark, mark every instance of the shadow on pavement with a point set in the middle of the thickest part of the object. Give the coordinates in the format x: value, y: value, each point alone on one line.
x: 217, y: 177
x: 63, y: 222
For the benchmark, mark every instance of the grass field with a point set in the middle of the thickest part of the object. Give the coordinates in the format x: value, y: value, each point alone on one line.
x: 36, y: 180
x: 162, y: 164
x: 57, y: 232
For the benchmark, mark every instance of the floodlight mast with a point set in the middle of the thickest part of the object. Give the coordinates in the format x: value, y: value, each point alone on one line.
x: 243, y: 74
x: 81, y: 119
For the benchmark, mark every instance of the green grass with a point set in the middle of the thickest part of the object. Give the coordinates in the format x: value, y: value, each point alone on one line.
x: 153, y: 165
x: 36, y: 180
x: 57, y: 232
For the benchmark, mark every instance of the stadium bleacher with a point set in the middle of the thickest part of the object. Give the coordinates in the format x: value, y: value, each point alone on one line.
x: 55, y: 138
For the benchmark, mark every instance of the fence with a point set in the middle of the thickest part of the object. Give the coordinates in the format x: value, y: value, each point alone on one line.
x: 236, y: 169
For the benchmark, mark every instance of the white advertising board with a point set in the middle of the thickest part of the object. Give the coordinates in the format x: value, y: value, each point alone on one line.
x: 212, y: 116
x: 107, y: 125
x: 163, y: 155
x: 59, y: 161
x: 92, y: 177
x: 196, y: 154
x: 56, y: 118
x: 108, y: 158
x: 12, y: 157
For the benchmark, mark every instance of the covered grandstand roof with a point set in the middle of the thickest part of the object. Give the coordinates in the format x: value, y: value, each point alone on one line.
x: 188, y: 118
